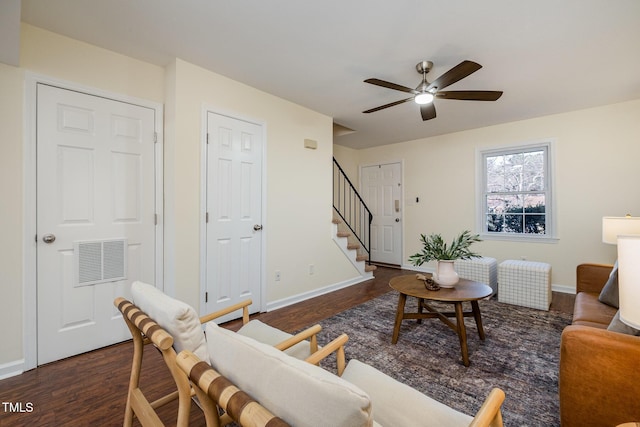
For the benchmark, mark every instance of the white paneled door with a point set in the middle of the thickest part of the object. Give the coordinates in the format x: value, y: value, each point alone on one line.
x: 381, y: 190
x: 233, y: 212
x: 95, y: 216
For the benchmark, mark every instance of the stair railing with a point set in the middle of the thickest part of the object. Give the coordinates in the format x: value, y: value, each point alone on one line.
x: 351, y: 208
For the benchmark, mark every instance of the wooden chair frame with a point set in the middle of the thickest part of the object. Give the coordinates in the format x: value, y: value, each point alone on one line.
x: 145, y: 330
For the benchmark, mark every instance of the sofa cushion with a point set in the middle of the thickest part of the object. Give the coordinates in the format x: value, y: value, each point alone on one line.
x: 609, y: 293
x: 589, y: 311
x: 397, y: 404
x: 269, y: 335
x: 300, y: 393
x: 618, y: 325
x: 179, y: 319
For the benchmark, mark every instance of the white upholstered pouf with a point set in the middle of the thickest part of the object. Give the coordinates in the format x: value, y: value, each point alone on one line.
x: 525, y: 283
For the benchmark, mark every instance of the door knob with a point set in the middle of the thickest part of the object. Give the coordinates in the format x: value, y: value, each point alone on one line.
x: 397, y: 219
x: 257, y: 227
x: 49, y: 238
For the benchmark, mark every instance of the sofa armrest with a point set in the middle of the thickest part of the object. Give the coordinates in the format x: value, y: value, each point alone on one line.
x: 592, y: 277
x: 599, y: 381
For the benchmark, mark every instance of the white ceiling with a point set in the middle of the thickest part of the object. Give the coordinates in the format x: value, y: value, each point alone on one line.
x: 548, y: 56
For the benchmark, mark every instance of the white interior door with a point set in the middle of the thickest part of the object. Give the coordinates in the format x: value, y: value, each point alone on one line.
x: 381, y: 191
x: 95, y: 217
x: 234, y: 212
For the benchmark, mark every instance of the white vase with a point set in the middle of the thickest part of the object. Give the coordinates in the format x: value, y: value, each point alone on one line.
x: 445, y: 275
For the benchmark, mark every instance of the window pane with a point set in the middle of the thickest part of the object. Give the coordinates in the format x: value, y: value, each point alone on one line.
x: 504, y: 204
x: 513, y: 172
x: 533, y: 175
x: 513, y: 224
x: 535, y: 224
x: 534, y: 203
x: 495, y: 223
x: 495, y: 174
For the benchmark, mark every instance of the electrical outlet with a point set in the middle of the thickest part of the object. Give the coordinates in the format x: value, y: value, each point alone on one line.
x: 312, y: 269
x: 277, y: 275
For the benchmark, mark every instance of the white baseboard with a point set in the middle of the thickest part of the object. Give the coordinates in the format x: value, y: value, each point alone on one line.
x: 11, y: 369
x: 274, y: 305
x: 563, y: 289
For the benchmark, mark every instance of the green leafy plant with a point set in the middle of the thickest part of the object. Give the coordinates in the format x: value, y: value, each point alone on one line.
x: 435, y: 248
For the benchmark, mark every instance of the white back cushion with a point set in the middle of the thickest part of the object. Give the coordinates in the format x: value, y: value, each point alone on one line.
x: 298, y: 392
x: 179, y: 319
x: 269, y: 335
x: 397, y: 404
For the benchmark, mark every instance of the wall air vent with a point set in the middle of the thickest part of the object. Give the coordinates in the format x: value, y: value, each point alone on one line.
x: 100, y: 261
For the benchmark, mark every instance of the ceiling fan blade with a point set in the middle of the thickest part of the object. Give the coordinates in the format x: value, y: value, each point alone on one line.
x: 390, y: 85
x: 382, y: 107
x: 428, y: 111
x: 470, y: 95
x: 458, y: 72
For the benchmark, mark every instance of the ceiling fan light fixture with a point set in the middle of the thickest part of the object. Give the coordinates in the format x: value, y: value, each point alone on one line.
x: 423, y: 98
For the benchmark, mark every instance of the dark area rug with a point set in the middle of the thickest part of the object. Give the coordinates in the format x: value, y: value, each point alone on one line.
x: 520, y: 355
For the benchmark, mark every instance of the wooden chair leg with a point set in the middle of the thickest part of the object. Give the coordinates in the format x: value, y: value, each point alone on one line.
x: 136, y: 365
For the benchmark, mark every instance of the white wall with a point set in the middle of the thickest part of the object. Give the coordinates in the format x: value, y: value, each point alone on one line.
x: 596, y: 175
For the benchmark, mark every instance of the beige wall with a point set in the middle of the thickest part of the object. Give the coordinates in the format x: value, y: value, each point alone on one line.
x: 596, y: 175
x: 298, y: 217
x: 51, y: 55
x: 11, y: 201
x: 298, y: 184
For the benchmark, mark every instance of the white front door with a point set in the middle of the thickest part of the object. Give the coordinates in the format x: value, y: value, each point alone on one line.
x: 95, y: 217
x: 381, y: 191
x: 233, y: 212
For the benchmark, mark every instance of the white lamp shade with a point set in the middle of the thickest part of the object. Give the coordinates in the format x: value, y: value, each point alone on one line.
x: 629, y: 279
x: 613, y: 226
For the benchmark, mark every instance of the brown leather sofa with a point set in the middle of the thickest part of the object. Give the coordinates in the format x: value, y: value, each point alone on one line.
x: 599, y: 379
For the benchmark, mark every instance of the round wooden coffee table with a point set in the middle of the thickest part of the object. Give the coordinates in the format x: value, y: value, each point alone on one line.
x: 465, y: 290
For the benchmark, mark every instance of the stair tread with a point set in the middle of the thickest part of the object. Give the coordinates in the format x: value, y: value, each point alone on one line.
x: 353, y: 246
x: 343, y: 234
x: 368, y: 268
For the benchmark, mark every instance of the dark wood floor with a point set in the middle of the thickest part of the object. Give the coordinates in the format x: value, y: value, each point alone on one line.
x: 90, y: 389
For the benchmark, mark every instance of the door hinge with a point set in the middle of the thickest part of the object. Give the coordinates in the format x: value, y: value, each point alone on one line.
x: 206, y: 217
x: 206, y: 297
x: 36, y: 239
x: 155, y: 137
x: 155, y: 219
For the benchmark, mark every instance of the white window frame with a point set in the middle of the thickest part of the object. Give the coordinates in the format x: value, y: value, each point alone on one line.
x: 551, y: 235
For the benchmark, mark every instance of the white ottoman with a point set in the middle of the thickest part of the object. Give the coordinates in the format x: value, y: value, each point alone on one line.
x: 525, y: 283
x: 482, y: 269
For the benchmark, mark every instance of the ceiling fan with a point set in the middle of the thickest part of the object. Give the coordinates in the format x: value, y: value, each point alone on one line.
x: 425, y: 93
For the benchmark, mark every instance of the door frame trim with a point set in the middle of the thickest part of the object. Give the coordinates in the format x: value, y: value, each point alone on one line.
x: 206, y: 109
x: 402, y: 204
x: 30, y: 284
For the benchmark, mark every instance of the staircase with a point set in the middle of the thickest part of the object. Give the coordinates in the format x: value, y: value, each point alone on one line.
x: 352, y: 248
x: 352, y: 222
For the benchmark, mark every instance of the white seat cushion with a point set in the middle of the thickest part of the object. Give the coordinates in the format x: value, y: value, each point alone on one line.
x: 269, y: 335
x: 397, y: 404
x: 300, y: 393
x: 178, y: 318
